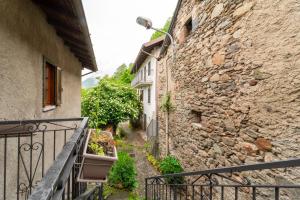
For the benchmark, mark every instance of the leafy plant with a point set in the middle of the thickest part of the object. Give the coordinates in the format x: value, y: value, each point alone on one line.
x: 170, y: 165
x: 167, y: 105
x: 96, y: 149
x: 108, y: 190
x: 123, y: 173
x: 155, y: 163
x: 110, y: 103
x: 100, y: 143
x: 135, y: 196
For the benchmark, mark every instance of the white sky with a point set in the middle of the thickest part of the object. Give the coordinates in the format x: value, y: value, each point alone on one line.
x: 115, y: 35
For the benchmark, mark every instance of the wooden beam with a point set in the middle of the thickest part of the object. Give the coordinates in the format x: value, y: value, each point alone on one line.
x: 55, y: 7
x: 70, y: 38
x: 64, y: 25
x: 76, y: 45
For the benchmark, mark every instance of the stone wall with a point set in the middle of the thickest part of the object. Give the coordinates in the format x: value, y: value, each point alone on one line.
x: 239, y: 70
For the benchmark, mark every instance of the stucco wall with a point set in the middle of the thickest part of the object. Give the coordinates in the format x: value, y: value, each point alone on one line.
x: 25, y: 37
x: 239, y: 68
x: 150, y: 108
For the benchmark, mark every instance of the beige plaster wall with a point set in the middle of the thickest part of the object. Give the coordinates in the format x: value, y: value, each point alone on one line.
x: 25, y: 38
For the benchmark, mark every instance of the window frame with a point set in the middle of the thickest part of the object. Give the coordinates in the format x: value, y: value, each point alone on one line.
x: 57, y: 85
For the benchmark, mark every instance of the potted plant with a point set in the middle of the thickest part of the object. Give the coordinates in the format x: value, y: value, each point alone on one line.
x: 98, y: 156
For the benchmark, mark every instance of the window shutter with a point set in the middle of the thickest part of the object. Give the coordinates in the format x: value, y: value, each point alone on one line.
x: 45, y: 86
x: 58, y: 93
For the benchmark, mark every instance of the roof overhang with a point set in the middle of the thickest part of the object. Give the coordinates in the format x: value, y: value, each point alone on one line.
x: 68, y: 19
x: 146, y: 47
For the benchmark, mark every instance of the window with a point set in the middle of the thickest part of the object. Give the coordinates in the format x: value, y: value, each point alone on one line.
x: 52, y: 86
x: 186, y: 30
x: 149, y: 95
x: 141, y: 74
x: 145, y: 73
x: 196, y: 116
x: 142, y: 95
x: 149, y: 68
x: 189, y: 26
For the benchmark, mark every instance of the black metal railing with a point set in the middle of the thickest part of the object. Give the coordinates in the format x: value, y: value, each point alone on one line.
x: 228, y: 183
x: 39, y: 154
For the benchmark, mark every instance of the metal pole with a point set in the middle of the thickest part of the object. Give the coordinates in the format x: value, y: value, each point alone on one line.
x: 146, y: 188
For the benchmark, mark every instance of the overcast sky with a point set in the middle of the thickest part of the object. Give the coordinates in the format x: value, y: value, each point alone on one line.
x: 115, y: 35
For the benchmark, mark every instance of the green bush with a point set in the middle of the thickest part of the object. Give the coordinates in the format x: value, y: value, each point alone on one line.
x: 110, y: 103
x: 123, y: 173
x: 170, y: 165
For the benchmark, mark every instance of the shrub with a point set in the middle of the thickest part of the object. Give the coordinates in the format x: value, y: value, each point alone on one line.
x: 170, y: 165
x: 155, y: 163
x: 110, y: 103
x: 123, y: 173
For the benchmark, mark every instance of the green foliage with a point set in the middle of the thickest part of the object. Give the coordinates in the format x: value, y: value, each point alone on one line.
x: 124, y: 146
x: 123, y: 74
x: 108, y: 190
x: 123, y: 173
x: 134, y: 196
x: 170, y: 165
x: 166, y: 27
x: 167, y: 105
x: 155, y: 163
x: 110, y: 103
x: 96, y: 149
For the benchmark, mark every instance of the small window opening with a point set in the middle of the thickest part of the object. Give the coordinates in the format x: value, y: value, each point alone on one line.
x: 189, y: 26
x: 196, y: 116
x: 186, y: 30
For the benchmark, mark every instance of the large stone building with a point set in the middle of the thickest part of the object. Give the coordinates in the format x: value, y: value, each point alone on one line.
x: 44, y: 45
x: 235, y: 84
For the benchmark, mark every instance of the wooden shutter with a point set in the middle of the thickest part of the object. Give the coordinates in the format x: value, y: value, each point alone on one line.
x: 58, y: 86
x: 45, y: 86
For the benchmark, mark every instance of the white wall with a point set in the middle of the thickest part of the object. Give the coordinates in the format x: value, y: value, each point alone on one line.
x: 150, y: 108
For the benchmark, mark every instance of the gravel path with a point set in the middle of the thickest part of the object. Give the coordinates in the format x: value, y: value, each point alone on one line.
x: 144, y: 169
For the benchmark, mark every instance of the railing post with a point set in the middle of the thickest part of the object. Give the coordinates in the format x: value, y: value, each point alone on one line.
x: 100, y: 193
x: 146, y: 188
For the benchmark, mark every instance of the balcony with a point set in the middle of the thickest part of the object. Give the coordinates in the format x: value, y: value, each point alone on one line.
x: 144, y: 81
x: 40, y: 159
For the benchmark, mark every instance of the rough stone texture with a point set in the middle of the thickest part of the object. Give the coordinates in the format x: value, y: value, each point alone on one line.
x: 25, y: 37
x: 249, y: 101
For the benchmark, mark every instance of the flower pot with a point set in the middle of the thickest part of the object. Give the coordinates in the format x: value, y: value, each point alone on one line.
x: 94, y: 168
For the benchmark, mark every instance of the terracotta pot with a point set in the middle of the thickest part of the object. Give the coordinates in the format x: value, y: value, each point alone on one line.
x: 94, y: 168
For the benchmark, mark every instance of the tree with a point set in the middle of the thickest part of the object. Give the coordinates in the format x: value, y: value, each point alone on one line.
x: 166, y: 27
x: 123, y: 74
x: 110, y: 103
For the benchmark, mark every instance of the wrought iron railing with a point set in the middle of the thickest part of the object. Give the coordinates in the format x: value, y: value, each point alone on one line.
x: 227, y: 183
x: 41, y: 154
